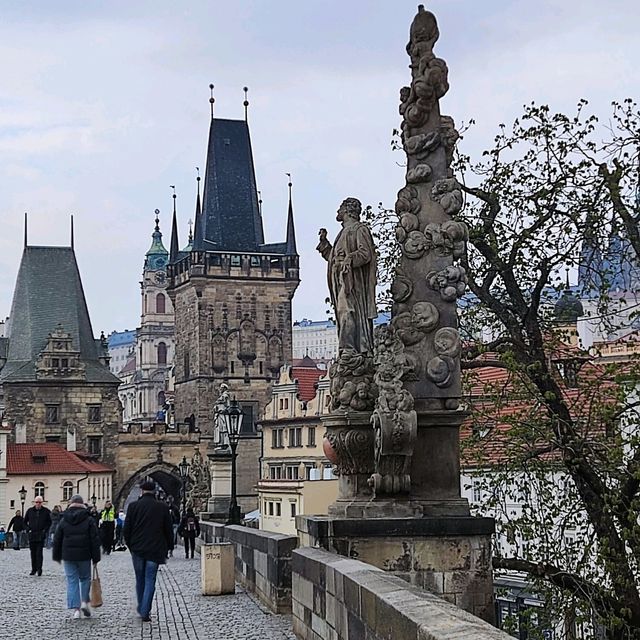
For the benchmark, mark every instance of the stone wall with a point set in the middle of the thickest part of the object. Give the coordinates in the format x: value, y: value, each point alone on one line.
x: 263, y: 561
x: 450, y: 557
x: 25, y: 404
x: 336, y: 598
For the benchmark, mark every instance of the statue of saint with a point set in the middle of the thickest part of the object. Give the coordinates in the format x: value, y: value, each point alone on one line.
x: 352, y: 278
x: 220, y: 436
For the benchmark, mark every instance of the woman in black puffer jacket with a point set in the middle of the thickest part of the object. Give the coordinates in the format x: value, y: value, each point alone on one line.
x: 76, y: 542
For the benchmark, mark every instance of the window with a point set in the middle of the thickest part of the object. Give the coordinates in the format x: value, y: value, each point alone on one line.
x: 275, y: 472
x: 249, y: 410
x: 286, y: 403
x: 292, y: 472
x: 295, y: 436
x: 307, y: 471
x: 276, y: 438
x: 38, y: 490
x: 293, y: 509
x: 270, y: 508
x: 187, y: 372
x: 52, y: 438
x: 67, y: 491
x: 64, y: 363
x: 162, y: 353
x: 235, y: 261
x: 477, y: 491
x: 278, y: 509
x: 52, y: 412
x: 311, y: 437
x: 55, y: 362
x: 160, y: 303
x: 94, y: 445
x: 95, y: 413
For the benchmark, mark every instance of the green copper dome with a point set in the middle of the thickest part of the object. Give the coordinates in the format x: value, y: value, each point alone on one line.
x: 157, y: 256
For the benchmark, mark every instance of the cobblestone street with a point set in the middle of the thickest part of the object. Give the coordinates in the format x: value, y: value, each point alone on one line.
x: 33, y: 608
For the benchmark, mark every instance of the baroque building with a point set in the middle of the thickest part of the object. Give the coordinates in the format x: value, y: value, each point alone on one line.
x: 231, y: 293
x: 296, y: 478
x: 146, y: 380
x: 55, y: 379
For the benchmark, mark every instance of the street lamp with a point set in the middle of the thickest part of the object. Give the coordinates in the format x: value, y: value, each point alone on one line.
x: 93, y: 499
x: 183, y: 470
x: 232, y: 416
x: 23, y: 498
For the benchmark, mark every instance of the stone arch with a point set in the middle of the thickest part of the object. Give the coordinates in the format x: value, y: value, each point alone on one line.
x: 164, y: 473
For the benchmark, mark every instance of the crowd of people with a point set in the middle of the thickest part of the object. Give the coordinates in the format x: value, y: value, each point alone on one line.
x: 81, y: 534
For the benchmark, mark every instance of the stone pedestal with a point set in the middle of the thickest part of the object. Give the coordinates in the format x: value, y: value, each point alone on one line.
x: 220, y: 468
x: 448, y: 556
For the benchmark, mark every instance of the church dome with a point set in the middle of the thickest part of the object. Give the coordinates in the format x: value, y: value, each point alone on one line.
x: 568, y: 308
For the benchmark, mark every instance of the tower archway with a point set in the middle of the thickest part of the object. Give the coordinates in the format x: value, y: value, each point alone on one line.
x: 166, y: 476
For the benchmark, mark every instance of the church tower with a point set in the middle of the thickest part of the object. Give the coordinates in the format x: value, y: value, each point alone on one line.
x: 232, y: 296
x: 144, y: 394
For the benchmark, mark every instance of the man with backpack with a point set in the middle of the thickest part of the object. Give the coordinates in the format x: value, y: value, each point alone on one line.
x: 189, y: 529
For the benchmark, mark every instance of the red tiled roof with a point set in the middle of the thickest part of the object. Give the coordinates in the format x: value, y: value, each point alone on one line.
x: 307, y: 378
x: 21, y: 460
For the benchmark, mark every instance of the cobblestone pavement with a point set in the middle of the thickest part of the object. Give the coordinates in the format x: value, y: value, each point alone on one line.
x: 34, y: 608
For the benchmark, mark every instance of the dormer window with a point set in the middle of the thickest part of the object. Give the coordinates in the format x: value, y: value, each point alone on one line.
x: 38, y: 458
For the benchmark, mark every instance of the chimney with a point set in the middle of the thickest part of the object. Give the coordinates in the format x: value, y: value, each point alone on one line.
x: 71, y: 439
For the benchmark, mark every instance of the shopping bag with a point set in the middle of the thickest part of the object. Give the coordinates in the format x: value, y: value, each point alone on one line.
x: 96, y: 589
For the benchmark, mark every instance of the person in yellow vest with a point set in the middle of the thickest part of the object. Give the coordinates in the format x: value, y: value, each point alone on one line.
x: 107, y: 527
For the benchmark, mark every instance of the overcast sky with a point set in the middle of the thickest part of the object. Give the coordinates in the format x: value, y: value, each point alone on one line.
x: 103, y: 105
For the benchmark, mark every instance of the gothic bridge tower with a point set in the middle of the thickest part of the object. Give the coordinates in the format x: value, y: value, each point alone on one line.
x: 232, y: 295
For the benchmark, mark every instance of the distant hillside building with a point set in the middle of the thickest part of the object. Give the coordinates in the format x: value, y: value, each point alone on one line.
x: 121, y: 346
x: 56, y: 381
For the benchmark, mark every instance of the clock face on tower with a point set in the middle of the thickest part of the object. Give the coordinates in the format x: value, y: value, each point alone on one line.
x: 160, y: 277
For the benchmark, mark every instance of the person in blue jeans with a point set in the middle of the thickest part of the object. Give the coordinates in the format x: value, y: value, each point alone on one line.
x: 76, y: 542
x: 148, y: 533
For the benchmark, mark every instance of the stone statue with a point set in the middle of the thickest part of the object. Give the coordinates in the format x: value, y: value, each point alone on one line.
x: 220, y: 436
x: 200, y: 489
x: 352, y: 278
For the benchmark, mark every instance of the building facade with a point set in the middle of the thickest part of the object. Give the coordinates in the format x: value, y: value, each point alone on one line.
x: 121, y: 346
x: 55, y: 380
x: 231, y: 292
x: 296, y: 477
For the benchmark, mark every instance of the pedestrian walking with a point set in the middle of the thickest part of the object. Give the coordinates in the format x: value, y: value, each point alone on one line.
x: 37, y: 521
x: 119, y: 526
x: 76, y: 543
x: 3, y: 538
x: 107, y: 526
x: 189, y: 529
x: 56, y: 514
x: 149, y: 535
x: 17, y: 524
x: 175, y: 521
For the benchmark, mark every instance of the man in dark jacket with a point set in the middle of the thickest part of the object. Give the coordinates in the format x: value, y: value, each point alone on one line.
x: 76, y: 542
x: 37, y: 521
x: 149, y: 535
x: 17, y: 522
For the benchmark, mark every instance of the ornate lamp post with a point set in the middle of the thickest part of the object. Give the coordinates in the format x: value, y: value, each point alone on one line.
x: 94, y: 499
x: 183, y: 470
x: 23, y: 498
x: 232, y: 417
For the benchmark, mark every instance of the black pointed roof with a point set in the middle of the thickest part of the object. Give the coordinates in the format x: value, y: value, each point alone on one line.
x: 231, y: 219
x: 49, y: 293
x: 291, y: 231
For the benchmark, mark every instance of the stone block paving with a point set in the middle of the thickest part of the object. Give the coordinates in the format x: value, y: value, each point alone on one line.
x: 34, y: 608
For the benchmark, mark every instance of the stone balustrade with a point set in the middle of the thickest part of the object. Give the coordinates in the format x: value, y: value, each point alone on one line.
x: 338, y: 598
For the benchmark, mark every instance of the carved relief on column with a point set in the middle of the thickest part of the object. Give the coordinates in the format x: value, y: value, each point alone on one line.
x: 428, y: 283
x: 394, y: 419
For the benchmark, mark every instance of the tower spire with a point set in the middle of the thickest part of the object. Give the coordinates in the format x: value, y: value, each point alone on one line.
x: 174, y: 247
x: 72, y: 246
x: 211, y: 100
x: 197, y: 225
x: 25, y: 229
x: 246, y: 104
x: 291, y: 231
